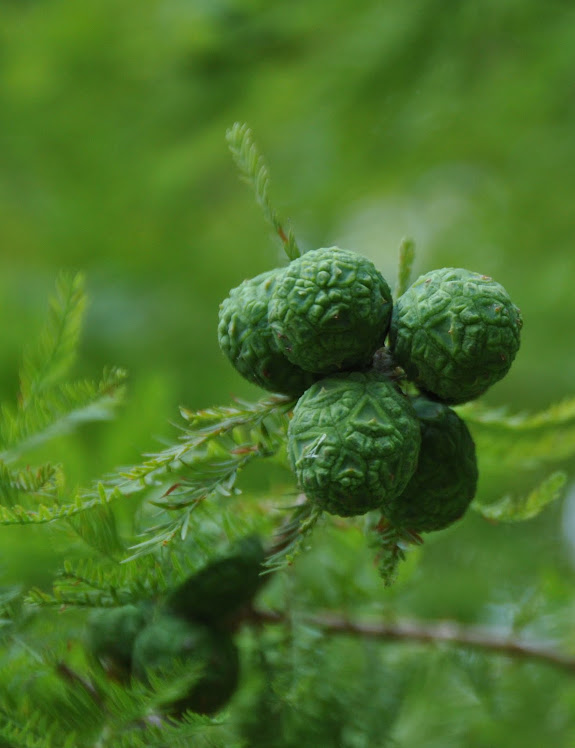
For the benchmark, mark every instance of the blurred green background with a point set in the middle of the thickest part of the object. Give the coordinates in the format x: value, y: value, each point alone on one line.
x: 450, y: 122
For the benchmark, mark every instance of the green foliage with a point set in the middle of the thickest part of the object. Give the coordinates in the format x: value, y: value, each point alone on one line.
x: 312, y: 690
x: 111, y: 637
x: 217, y: 445
x: 91, y: 583
x: 49, y: 404
x: 110, y: 172
x: 406, y: 259
x: 49, y: 362
x: 390, y: 543
x: 254, y: 171
x: 290, y: 537
x: 516, y: 454
x: 514, y: 509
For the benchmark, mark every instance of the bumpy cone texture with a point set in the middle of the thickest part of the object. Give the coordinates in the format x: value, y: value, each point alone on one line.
x: 111, y: 634
x: 353, y: 442
x: 455, y: 333
x: 445, y: 480
x: 170, y: 639
x: 217, y: 592
x: 249, y: 343
x: 330, y: 310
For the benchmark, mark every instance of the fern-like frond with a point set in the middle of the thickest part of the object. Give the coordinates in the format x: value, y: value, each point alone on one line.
x: 43, y: 513
x: 532, y: 446
x: 254, y: 171
x: 17, y: 486
x: 207, y: 462
x: 46, y: 364
x: 518, y: 508
x: 289, y: 539
x: 33, y: 731
x: 88, y: 583
x: 97, y: 527
x: 390, y: 543
x: 561, y: 414
x: 58, y: 411
x: 191, y: 730
x: 134, y: 720
x: 208, y: 427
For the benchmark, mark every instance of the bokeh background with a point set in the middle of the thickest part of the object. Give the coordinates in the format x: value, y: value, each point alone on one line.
x: 450, y: 122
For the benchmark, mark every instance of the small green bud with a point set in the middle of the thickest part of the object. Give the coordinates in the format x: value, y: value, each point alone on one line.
x: 353, y: 442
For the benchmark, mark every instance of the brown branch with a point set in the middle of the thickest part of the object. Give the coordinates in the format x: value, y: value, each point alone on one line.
x: 450, y: 632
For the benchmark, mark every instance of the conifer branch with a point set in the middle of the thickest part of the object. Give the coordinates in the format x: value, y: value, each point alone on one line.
x: 518, y: 509
x: 390, y: 544
x: 39, y: 483
x: 210, y: 454
x: 88, y: 583
x: 254, y: 171
x: 499, y: 419
x: 50, y: 360
x: 528, y: 444
x: 58, y: 411
x: 444, y: 632
x: 205, y: 426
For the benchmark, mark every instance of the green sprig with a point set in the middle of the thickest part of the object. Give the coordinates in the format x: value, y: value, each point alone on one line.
x: 254, y: 171
x: 289, y: 539
x: 520, y: 508
x: 406, y: 259
x: 390, y: 543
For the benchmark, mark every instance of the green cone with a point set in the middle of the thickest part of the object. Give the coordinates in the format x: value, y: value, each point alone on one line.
x: 455, y: 333
x: 249, y: 343
x: 445, y: 480
x: 111, y: 634
x: 353, y: 442
x: 169, y: 640
x: 330, y: 310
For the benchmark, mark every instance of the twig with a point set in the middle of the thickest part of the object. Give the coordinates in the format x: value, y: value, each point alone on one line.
x: 74, y: 679
x: 450, y: 632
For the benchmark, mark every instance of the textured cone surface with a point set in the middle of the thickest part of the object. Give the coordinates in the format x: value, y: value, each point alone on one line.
x: 330, y: 310
x: 169, y: 640
x: 353, y: 442
x: 111, y: 636
x: 455, y: 333
x: 249, y: 343
x: 445, y: 480
x: 218, y: 591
